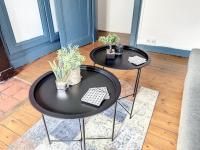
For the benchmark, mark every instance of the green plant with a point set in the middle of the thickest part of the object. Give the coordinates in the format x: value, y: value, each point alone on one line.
x: 72, y: 56
x: 68, y: 58
x: 109, y: 39
x: 60, y: 69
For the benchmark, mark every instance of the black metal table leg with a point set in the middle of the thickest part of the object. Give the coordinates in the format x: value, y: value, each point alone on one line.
x: 81, y: 133
x: 46, y: 129
x: 81, y: 139
x: 83, y: 123
x: 113, y: 129
x: 82, y: 130
x: 135, y: 90
x: 101, y: 138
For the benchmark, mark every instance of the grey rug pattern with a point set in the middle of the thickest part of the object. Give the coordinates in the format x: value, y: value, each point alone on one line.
x: 129, y: 133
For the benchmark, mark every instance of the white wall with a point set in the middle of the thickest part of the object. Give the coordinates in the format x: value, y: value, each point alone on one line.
x: 25, y: 19
x: 170, y: 23
x: 115, y: 15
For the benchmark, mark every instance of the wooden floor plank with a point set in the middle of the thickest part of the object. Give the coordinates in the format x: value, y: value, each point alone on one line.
x: 168, y: 110
x: 24, y: 117
x: 3, y: 146
x: 29, y: 109
x: 15, y: 125
x: 163, y: 134
x: 154, y: 142
x: 7, y: 136
x: 148, y: 147
x: 166, y: 122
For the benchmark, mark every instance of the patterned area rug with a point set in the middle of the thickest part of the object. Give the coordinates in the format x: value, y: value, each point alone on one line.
x: 129, y: 133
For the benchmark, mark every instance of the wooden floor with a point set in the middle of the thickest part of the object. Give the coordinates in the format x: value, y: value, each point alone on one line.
x: 165, y: 74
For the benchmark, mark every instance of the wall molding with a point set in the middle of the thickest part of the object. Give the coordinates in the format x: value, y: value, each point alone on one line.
x: 135, y: 22
x: 165, y: 50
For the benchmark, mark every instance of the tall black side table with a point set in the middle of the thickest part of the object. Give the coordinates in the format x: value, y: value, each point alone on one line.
x: 98, y: 55
x: 48, y: 100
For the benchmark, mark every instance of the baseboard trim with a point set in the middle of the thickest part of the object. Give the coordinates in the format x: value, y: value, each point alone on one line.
x: 165, y: 50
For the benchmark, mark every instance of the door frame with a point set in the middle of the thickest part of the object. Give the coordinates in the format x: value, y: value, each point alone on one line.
x: 135, y: 30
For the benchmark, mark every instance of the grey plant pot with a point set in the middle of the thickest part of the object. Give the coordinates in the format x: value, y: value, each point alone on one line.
x: 119, y: 49
x: 110, y: 54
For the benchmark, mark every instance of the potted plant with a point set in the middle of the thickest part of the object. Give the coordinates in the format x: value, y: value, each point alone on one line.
x: 74, y: 59
x: 61, y: 71
x: 110, y: 40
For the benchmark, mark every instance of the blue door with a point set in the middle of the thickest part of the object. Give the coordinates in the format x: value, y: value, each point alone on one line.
x: 76, y: 21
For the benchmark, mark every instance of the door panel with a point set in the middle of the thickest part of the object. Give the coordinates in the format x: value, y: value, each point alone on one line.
x: 75, y: 21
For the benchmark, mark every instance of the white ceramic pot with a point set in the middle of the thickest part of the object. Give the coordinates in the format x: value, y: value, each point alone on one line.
x: 74, y: 76
x: 61, y: 85
x: 62, y: 95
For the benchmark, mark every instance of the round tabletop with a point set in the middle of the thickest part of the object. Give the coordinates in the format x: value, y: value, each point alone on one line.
x: 67, y: 104
x: 98, y: 55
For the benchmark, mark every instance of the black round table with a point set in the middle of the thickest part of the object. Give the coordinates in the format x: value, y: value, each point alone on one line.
x: 67, y: 104
x: 98, y: 55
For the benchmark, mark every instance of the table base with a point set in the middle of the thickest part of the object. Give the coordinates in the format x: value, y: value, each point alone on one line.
x: 82, y: 131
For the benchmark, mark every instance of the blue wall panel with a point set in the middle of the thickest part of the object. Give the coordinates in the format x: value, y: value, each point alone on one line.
x: 33, y: 53
x: 75, y: 21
